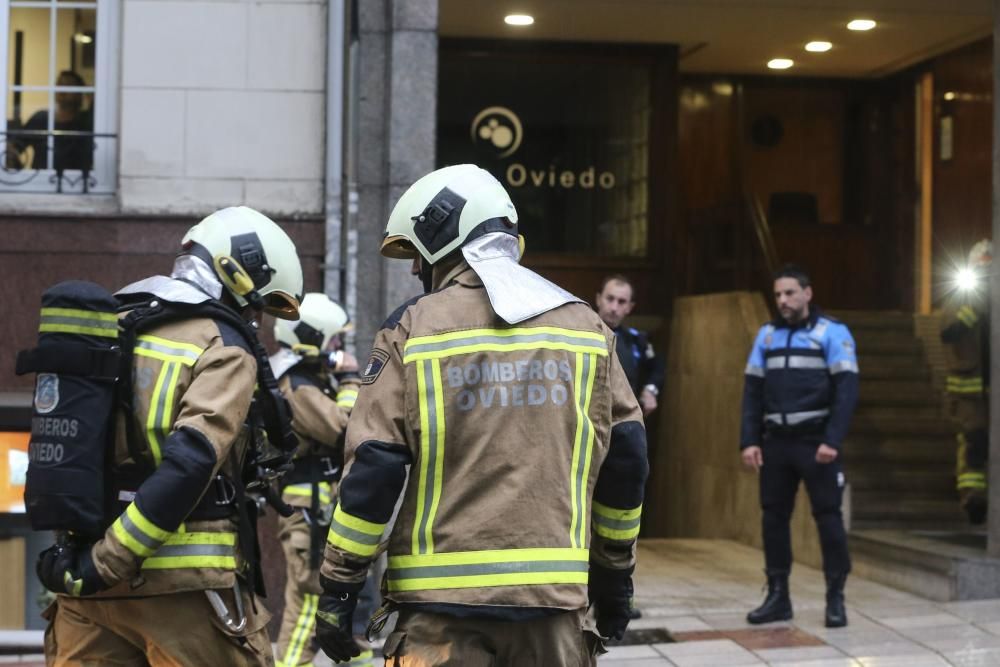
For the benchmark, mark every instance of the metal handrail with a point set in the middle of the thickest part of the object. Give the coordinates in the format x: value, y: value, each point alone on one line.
x: 762, y: 232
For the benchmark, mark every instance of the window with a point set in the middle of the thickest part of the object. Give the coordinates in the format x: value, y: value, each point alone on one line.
x: 57, y: 129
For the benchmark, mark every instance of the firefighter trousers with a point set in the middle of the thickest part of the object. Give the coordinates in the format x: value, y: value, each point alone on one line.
x: 971, y: 419
x: 173, y: 630
x: 423, y: 639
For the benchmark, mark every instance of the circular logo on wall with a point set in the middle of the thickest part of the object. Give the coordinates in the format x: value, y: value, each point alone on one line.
x: 46, y: 393
x: 499, y: 128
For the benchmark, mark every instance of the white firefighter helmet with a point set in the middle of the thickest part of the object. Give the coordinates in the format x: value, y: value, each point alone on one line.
x: 320, y: 319
x: 253, y: 257
x: 981, y: 253
x: 445, y: 209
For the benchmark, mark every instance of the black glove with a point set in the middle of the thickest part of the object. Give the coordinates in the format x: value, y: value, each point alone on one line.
x: 69, y: 568
x: 611, y: 593
x: 333, y: 620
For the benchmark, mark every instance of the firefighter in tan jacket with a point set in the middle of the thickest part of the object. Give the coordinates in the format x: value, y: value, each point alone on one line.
x: 167, y: 583
x: 965, y: 333
x: 320, y: 382
x: 525, y: 446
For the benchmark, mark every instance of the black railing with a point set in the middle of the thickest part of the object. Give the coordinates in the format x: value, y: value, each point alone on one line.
x: 57, y: 161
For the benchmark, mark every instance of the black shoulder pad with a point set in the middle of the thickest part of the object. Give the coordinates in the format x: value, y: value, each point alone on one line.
x: 393, y: 320
x: 296, y: 379
x: 233, y: 336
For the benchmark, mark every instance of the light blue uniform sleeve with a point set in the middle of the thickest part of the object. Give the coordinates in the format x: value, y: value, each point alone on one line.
x: 841, y: 353
x: 755, y: 363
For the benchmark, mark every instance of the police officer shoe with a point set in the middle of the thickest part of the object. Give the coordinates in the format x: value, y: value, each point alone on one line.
x: 777, y: 605
x: 836, y: 614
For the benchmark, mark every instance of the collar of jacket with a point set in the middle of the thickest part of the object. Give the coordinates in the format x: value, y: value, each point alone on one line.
x: 814, y: 314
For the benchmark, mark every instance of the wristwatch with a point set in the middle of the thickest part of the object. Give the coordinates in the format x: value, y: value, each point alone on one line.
x: 651, y: 388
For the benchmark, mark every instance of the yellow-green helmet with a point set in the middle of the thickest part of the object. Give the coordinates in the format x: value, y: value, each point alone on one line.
x: 445, y: 209
x: 252, y: 256
x: 320, y: 319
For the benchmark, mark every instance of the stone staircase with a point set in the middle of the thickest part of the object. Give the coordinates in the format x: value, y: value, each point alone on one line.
x: 900, y: 454
x: 906, y: 527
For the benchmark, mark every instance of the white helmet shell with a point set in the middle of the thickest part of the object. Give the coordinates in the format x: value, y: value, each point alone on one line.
x: 437, y: 214
x: 981, y: 253
x: 320, y: 319
x: 252, y: 256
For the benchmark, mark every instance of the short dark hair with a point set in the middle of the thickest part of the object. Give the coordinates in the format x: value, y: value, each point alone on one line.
x: 70, y: 74
x: 617, y: 278
x: 794, y: 271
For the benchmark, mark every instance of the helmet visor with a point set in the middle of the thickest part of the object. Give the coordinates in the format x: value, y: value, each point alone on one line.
x: 281, y: 305
x: 398, y: 247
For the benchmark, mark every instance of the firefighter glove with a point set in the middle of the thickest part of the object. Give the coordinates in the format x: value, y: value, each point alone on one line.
x: 611, y: 594
x: 69, y: 569
x: 333, y: 621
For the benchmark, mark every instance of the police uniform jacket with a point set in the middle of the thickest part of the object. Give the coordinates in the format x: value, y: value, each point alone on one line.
x: 526, y: 448
x: 965, y: 333
x: 800, y: 379
x: 319, y: 419
x: 638, y: 359
x: 193, y: 382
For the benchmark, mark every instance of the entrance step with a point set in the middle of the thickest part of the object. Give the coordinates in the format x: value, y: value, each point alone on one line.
x: 940, y: 565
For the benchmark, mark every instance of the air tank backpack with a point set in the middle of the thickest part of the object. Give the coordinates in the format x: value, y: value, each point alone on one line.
x: 83, y: 370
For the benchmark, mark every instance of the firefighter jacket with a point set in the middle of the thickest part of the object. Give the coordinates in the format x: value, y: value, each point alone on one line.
x: 526, y: 449
x: 638, y: 359
x: 800, y: 379
x: 193, y: 381
x: 319, y: 418
x: 965, y: 333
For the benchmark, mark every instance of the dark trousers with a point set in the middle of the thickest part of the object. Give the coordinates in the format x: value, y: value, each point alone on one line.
x: 787, y: 461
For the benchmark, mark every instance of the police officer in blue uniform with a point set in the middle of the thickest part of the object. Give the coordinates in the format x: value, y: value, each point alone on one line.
x: 801, y: 387
x: 642, y: 367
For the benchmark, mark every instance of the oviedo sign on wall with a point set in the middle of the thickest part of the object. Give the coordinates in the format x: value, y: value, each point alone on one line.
x: 569, y: 141
x: 499, y: 128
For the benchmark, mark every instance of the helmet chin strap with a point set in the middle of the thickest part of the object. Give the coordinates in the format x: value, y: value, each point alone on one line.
x: 426, y: 275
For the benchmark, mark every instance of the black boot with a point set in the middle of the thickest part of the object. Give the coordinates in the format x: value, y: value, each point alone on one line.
x: 777, y: 605
x: 836, y: 614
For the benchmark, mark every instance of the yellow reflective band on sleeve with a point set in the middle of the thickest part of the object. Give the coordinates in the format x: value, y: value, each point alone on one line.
x: 305, y: 491
x: 958, y: 384
x: 302, y: 634
x: 73, y: 320
x: 137, y: 533
x: 354, y: 534
x: 468, y: 569
x: 364, y: 659
x: 346, y: 398
x: 967, y: 316
x: 503, y: 340
x: 972, y: 480
x: 582, y: 446
x: 615, y: 524
x: 166, y: 350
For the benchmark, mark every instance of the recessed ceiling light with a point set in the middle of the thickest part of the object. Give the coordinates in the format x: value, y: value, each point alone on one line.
x: 949, y: 96
x: 518, y: 19
x: 780, y: 63
x: 861, y: 24
x: 819, y: 47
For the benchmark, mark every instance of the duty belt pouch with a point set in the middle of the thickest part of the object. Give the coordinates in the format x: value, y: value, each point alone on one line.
x: 76, y: 365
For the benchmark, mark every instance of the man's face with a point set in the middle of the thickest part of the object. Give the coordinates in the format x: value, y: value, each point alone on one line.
x: 614, y: 303
x: 792, y: 299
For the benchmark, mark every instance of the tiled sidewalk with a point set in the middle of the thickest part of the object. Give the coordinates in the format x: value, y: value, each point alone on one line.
x: 700, y: 591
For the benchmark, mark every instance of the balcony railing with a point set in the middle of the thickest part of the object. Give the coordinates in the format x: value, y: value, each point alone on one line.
x: 57, y: 161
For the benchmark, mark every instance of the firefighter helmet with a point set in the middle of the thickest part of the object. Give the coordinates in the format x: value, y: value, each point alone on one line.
x: 253, y: 258
x: 320, y: 319
x: 444, y: 210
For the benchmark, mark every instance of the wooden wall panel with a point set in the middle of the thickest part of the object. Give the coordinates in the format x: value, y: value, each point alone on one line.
x: 962, y: 184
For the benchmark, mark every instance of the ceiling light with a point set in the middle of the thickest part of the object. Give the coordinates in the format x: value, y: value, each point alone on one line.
x: 82, y: 38
x: 949, y: 96
x: 819, y: 47
x: 518, y: 19
x: 861, y: 24
x: 780, y: 63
